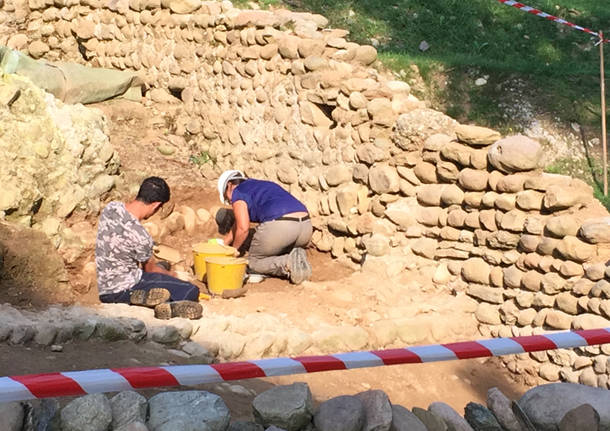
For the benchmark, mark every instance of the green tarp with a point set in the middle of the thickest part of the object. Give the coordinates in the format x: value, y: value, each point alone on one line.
x: 71, y: 82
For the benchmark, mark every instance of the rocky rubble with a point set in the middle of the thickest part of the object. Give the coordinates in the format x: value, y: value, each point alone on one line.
x: 549, y: 407
x: 226, y: 337
x: 58, y: 157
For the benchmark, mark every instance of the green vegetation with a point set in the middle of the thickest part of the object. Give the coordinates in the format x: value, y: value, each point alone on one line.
x: 469, y: 40
x: 598, y: 192
x: 202, y: 158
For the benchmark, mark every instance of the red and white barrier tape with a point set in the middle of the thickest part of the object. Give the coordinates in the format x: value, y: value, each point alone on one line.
x: 541, y: 14
x: 71, y: 383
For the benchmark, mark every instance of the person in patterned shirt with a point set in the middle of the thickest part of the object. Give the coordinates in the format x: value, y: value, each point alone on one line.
x: 127, y: 271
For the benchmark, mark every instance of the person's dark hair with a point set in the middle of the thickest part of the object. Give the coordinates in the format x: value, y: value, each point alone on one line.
x: 237, y: 181
x: 153, y: 189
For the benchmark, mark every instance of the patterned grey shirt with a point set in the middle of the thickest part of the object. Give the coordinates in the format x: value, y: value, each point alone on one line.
x: 121, y: 246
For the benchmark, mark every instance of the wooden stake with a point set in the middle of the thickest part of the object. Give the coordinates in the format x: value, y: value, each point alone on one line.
x: 603, y: 91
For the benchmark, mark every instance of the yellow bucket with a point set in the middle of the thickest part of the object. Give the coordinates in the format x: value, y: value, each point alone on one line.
x: 204, y: 250
x: 225, y: 273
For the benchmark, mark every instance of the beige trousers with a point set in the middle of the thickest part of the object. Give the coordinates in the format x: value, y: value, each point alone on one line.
x: 272, y: 243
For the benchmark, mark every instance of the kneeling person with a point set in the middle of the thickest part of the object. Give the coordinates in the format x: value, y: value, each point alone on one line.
x: 284, y: 229
x: 126, y: 268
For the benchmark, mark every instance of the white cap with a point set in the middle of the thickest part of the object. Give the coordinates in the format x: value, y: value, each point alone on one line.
x: 224, y: 180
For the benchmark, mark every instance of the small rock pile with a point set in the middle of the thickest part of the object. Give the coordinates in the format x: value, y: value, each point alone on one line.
x: 227, y: 337
x: 561, y: 406
x: 56, y: 327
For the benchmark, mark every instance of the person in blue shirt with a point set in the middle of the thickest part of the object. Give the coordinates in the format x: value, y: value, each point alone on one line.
x: 284, y: 228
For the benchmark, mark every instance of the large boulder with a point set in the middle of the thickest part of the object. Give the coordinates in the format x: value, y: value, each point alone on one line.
x: 343, y: 413
x: 192, y: 410
x: 546, y: 405
x: 311, y: 114
x: 501, y: 407
x: 596, y: 230
x: 404, y: 420
x: 560, y: 197
x: 562, y: 225
x: 476, y: 136
x: 182, y: 6
x: 414, y: 127
x: 431, y: 421
x: 365, y: 54
x: 452, y: 418
x: 128, y: 407
x: 376, y: 244
x: 11, y: 416
x: 476, y: 270
x: 515, y: 154
x: 584, y: 417
x: 384, y: 179
x: 574, y: 249
x: 88, y: 413
x: 289, y: 407
x: 481, y: 418
x: 378, y: 410
x: 63, y: 151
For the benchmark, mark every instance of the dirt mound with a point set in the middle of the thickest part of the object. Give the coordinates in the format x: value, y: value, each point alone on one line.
x: 32, y: 273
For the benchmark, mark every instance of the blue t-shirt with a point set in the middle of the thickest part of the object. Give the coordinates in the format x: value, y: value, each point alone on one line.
x: 266, y: 200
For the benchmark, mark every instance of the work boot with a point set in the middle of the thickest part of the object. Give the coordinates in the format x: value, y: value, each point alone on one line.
x: 149, y: 298
x: 298, y: 266
x: 185, y: 309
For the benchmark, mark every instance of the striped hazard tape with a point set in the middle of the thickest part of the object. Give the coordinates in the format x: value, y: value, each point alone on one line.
x: 19, y: 388
x: 541, y: 14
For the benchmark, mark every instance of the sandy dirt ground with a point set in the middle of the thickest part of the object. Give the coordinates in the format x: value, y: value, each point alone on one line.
x: 335, y: 294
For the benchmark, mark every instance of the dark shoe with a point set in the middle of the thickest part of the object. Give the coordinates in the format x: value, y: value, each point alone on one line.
x: 185, y: 309
x: 149, y: 298
x: 298, y: 266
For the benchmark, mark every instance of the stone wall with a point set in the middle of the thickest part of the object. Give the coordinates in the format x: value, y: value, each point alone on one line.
x: 281, y: 97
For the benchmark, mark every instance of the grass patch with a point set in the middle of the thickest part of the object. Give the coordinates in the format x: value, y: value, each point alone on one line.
x: 469, y: 40
x: 599, y: 195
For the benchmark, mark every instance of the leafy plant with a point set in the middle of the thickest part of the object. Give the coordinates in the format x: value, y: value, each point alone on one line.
x: 202, y: 158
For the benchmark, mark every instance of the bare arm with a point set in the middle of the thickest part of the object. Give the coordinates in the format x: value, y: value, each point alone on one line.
x: 151, y: 266
x: 242, y: 223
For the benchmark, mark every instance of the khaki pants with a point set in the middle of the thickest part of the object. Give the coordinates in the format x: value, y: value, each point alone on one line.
x: 272, y: 243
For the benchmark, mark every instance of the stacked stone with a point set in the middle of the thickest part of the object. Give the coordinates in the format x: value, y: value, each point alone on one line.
x: 290, y: 408
x: 516, y: 238
x: 57, y: 327
x: 287, y: 105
